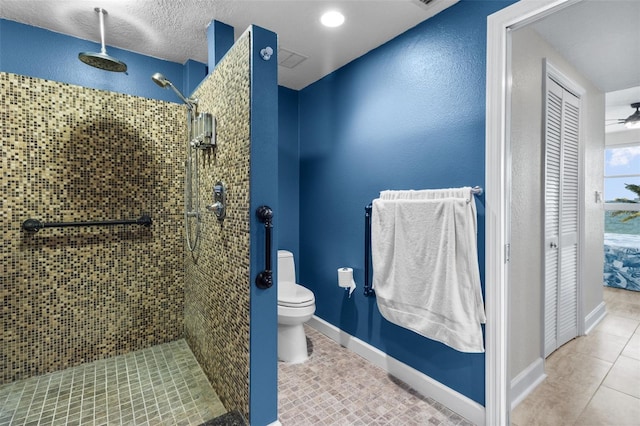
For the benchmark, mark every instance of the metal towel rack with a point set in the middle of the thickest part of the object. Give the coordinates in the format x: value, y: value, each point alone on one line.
x: 368, y: 285
x: 477, y: 190
x: 34, y: 225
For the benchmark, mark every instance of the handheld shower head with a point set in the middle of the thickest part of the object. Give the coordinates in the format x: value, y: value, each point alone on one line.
x: 163, y: 82
x: 160, y: 80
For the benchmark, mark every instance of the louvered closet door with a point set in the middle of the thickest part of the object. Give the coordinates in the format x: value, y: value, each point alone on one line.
x: 561, y: 216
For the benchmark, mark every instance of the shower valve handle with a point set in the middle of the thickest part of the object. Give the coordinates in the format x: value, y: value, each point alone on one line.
x: 216, y: 208
x: 264, y: 279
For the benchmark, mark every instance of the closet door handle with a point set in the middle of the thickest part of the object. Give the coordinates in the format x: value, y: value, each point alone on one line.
x: 264, y: 279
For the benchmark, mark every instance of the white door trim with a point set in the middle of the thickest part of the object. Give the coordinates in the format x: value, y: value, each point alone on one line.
x: 497, y: 199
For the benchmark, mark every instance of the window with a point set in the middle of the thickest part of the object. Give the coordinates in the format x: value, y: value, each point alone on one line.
x: 621, y: 168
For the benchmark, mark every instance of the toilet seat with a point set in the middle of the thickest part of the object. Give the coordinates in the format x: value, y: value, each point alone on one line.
x: 294, y: 295
x: 295, y: 305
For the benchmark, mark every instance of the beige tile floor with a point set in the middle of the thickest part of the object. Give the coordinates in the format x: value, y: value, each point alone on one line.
x: 338, y: 387
x: 593, y: 379
x: 161, y: 385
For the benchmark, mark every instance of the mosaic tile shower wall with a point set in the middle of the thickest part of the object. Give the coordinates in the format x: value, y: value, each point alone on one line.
x: 75, y: 295
x: 217, y: 274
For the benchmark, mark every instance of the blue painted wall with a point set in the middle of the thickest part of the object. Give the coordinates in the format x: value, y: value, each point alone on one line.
x: 288, y: 219
x: 219, y: 41
x: 407, y: 115
x: 41, y: 53
x: 193, y: 73
x: 263, y: 345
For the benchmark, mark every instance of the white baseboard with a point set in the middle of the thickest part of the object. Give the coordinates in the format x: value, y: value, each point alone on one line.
x: 419, y: 381
x: 525, y: 382
x: 594, y: 317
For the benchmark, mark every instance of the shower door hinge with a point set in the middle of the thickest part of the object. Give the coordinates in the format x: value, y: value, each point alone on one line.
x: 507, y: 253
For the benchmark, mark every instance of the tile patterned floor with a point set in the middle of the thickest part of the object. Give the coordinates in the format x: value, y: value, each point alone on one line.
x: 593, y: 379
x: 161, y: 385
x: 335, y: 387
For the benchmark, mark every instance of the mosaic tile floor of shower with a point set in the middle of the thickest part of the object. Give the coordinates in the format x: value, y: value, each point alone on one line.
x: 161, y: 385
x: 338, y: 387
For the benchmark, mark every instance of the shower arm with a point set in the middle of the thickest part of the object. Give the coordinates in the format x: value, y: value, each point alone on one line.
x: 191, y: 103
x: 101, y: 13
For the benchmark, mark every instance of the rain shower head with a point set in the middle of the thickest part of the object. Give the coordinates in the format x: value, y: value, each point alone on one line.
x: 102, y: 60
x: 163, y: 82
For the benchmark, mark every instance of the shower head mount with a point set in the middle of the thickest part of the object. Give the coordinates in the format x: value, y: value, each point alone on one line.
x: 102, y: 60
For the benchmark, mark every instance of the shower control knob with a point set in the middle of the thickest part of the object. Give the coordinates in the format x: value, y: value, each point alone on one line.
x: 216, y: 208
x: 219, y: 200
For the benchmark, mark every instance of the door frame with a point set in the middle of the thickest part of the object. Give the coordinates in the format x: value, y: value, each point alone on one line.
x: 498, y: 198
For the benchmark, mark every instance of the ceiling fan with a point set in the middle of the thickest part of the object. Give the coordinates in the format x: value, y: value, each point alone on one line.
x: 632, y: 121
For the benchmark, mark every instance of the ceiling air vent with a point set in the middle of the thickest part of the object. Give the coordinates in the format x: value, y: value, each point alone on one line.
x: 289, y: 59
x: 425, y: 2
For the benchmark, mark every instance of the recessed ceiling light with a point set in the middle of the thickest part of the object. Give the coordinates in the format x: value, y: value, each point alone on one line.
x: 332, y: 19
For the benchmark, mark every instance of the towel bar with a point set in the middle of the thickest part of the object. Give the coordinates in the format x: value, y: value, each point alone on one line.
x: 368, y: 286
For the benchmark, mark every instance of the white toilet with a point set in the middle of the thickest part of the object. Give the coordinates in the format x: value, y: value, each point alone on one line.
x: 296, y: 305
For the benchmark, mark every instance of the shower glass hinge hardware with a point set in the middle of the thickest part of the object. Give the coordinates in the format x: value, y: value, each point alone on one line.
x: 219, y: 201
x: 204, y: 131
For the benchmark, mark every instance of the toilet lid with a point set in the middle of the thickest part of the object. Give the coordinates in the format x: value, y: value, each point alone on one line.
x: 294, y: 295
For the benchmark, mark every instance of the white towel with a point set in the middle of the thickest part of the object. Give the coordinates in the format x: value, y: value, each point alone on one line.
x: 428, y: 194
x: 425, y: 268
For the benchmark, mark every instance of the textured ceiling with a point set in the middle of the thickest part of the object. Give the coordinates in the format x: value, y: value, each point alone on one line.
x: 601, y: 39
x: 175, y: 30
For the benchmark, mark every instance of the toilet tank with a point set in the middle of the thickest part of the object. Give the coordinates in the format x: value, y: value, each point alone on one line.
x: 286, y: 267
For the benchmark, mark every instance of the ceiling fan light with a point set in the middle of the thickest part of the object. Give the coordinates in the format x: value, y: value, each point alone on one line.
x: 632, y: 124
x: 633, y: 121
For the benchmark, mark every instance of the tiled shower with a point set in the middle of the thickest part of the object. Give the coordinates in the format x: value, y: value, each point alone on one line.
x: 72, y: 296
